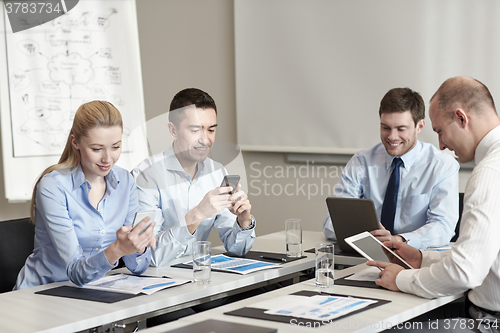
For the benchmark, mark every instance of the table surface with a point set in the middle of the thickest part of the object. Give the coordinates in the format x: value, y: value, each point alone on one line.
x: 23, y: 311
x: 401, y: 308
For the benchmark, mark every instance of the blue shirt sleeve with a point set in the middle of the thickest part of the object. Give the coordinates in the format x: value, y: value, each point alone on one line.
x: 236, y: 240
x: 442, y: 210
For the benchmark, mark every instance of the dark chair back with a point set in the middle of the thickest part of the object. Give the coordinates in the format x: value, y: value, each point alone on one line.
x: 16, y: 244
x: 460, y: 209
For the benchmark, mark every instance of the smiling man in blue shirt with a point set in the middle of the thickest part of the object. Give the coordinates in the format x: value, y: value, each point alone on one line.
x: 182, y: 184
x: 426, y: 209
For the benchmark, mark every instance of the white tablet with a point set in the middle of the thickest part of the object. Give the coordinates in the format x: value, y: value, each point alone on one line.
x: 371, y: 248
x: 139, y: 216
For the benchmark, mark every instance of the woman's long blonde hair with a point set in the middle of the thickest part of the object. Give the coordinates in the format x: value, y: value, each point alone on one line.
x: 88, y: 116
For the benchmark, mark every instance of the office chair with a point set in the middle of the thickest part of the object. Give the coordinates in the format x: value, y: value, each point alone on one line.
x: 460, y: 209
x: 16, y: 244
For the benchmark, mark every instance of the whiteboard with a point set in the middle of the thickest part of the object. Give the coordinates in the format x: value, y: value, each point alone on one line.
x: 90, y: 53
x: 310, y: 74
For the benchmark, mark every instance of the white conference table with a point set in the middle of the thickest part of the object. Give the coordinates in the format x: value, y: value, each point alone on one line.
x: 401, y: 308
x: 24, y: 311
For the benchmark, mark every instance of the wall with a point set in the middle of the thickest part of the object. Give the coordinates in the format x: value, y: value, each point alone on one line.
x: 190, y: 43
x: 196, y: 49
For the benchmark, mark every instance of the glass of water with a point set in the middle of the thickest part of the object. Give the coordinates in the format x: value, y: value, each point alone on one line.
x: 293, y: 229
x: 324, y: 265
x: 202, y: 261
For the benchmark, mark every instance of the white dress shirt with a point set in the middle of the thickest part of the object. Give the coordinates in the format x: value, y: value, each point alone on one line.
x: 164, y: 186
x: 474, y: 260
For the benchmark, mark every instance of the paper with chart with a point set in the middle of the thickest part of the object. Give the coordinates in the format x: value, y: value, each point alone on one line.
x: 224, y: 263
x: 318, y: 307
x: 132, y: 284
x: 87, y: 54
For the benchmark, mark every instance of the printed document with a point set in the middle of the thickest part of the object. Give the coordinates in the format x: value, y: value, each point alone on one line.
x: 224, y: 263
x: 133, y: 284
x: 320, y: 307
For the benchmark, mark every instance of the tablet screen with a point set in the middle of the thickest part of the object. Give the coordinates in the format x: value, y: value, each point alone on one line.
x: 368, y: 246
x: 372, y: 248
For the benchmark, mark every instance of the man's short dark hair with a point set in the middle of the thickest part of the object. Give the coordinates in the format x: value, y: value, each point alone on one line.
x: 187, y: 97
x: 401, y: 100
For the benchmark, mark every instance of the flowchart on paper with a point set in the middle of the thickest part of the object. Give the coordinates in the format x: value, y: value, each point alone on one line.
x: 55, y: 67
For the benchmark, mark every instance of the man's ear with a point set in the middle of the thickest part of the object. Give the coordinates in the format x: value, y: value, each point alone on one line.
x: 74, y: 142
x: 461, y: 117
x: 172, y: 130
x: 420, y: 125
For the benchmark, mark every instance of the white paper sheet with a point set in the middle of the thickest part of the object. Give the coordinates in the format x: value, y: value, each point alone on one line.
x: 322, y: 308
x: 132, y: 284
x: 368, y: 274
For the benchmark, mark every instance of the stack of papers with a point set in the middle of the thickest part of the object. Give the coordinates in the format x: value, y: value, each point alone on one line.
x: 224, y: 263
x: 132, y: 284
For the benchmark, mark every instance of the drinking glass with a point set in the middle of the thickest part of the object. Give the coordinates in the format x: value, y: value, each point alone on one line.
x: 202, y: 261
x: 293, y: 229
x: 324, y: 265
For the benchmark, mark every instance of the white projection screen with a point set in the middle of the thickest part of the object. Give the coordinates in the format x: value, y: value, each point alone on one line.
x: 310, y: 74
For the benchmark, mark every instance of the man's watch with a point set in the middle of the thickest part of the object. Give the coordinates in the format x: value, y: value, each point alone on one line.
x: 251, y: 226
x: 404, y: 239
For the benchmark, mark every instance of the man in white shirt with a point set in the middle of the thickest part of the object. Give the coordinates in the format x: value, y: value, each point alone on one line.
x: 463, y: 115
x: 182, y: 185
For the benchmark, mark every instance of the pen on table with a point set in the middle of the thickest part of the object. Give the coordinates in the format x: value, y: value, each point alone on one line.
x: 157, y: 285
x: 273, y: 258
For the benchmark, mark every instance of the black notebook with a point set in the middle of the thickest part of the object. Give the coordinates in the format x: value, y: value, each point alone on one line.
x: 86, y: 294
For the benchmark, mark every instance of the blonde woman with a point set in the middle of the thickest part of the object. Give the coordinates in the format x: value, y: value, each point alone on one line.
x: 83, y: 207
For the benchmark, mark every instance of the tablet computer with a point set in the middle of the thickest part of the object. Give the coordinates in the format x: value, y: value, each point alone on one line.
x: 351, y: 216
x: 371, y: 248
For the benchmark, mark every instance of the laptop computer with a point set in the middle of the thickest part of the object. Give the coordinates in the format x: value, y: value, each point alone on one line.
x: 351, y: 216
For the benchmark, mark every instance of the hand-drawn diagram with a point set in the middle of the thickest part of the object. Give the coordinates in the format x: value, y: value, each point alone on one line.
x: 55, y: 67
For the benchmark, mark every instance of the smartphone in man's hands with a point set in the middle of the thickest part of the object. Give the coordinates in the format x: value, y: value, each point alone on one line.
x: 230, y: 180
